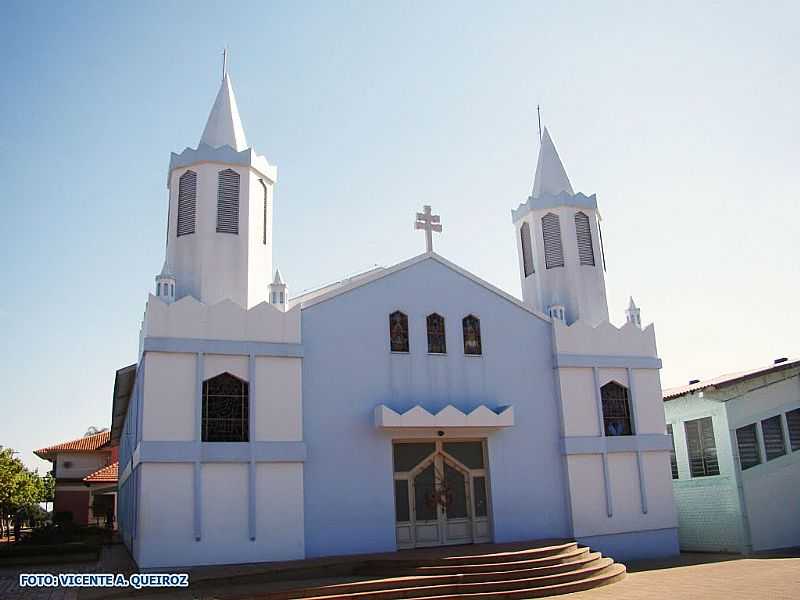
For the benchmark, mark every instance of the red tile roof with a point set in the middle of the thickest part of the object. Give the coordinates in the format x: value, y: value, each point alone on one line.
x: 728, y: 379
x: 89, y: 443
x: 109, y: 473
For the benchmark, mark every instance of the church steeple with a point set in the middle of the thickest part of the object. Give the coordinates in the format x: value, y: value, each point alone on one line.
x: 558, y: 240
x: 224, y: 125
x: 219, y: 243
x: 550, y: 178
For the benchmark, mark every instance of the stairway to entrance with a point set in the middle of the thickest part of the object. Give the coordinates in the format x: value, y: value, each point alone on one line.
x: 484, y: 571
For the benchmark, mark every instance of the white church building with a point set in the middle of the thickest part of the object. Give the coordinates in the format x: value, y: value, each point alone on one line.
x: 410, y: 406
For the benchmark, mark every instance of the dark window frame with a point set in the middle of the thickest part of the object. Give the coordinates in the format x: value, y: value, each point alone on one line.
x: 186, y: 220
x: 473, y: 343
x: 617, y: 414
x: 437, y: 337
x: 225, y: 393
x: 228, y: 199
x: 774, y: 441
x: 673, y: 459
x: 527, y: 249
x: 749, y: 449
x: 399, y: 340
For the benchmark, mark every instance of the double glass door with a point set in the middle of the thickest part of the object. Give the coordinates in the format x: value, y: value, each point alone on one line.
x: 440, y: 493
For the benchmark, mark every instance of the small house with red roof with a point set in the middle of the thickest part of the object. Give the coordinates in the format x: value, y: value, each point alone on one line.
x: 85, y: 470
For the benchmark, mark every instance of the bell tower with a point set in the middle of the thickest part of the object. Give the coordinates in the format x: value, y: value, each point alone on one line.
x: 219, y: 239
x: 558, y: 241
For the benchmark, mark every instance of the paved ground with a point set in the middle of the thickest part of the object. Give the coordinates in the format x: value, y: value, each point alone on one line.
x: 690, y: 576
x: 706, y: 576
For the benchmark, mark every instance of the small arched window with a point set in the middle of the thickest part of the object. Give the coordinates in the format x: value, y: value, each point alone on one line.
x: 187, y: 203
x: 228, y: 201
x: 616, y: 409
x: 583, y: 233
x: 225, y: 409
x: 471, y: 326
x: 398, y: 332
x: 266, y: 206
x: 436, y: 338
x: 527, y: 251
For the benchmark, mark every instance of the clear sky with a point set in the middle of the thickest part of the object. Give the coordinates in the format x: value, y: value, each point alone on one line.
x: 681, y: 117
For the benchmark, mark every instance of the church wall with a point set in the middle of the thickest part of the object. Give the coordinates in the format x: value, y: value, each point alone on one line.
x: 170, y: 391
x: 580, y: 409
x: 279, y: 405
x: 348, y: 370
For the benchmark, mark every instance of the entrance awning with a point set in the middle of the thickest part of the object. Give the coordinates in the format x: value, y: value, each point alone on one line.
x: 419, y: 418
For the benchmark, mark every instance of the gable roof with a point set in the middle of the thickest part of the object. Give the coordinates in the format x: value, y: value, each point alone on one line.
x: 381, y: 273
x: 89, y: 443
x: 107, y: 474
x: 727, y: 380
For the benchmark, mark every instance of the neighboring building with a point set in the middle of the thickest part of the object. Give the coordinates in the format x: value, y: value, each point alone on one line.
x: 410, y: 406
x: 85, y: 471
x: 736, y: 466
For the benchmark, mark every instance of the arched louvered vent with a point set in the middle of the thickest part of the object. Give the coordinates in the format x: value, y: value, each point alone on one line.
x: 187, y: 202
x: 228, y: 202
x: 266, y: 200
x: 527, y: 252
x: 553, y: 250
x: 583, y: 231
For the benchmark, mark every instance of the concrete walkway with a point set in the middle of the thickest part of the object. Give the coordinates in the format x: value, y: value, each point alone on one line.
x: 708, y: 576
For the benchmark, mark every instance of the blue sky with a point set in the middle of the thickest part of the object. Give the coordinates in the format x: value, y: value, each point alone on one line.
x: 682, y: 117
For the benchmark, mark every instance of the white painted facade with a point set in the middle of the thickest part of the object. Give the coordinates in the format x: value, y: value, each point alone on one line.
x: 748, y: 510
x: 330, y: 398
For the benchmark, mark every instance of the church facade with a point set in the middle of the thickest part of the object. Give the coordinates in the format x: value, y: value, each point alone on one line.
x: 410, y: 406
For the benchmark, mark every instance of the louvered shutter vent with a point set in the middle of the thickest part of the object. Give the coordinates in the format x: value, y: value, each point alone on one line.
x: 583, y: 232
x: 793, y: 420
x: 266, y: 199
x: 553, y: 250
x: 527, y: 252
x: 702, y: 447
x: 772, y: 430
x: 187, y: 202
x: 673, y: 461
x: 228, y: 202
x: 748, y: 446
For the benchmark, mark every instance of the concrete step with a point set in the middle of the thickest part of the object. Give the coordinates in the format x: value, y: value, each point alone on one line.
x: 554, y: 559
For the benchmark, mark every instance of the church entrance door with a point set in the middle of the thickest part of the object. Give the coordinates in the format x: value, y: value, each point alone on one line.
x: 440, y: 493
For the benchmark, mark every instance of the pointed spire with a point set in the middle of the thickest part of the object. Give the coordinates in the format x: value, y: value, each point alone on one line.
x: 631, y: 304
x: 551, y: 178
x: 224, y: 126
x: 278, y: 280
x: 633, y: 314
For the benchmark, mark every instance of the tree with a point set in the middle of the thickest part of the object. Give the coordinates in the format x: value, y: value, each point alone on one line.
x: 20, y: 488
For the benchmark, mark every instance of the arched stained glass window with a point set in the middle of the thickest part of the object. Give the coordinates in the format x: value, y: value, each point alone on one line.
x: 583, y: 233
x: 398, y: 332
x: 228, y: 201
x: 225, y: 409
x: 616, y: 409
x: 187, y: 203
x: 551, y: 234
x: 471, y: 326
x: 436, y: 338
x: 527, y: 251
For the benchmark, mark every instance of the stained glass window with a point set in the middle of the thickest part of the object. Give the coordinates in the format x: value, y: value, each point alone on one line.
x: 398, y: 332
x: 616, y: 409
x: 225, y: 409
x: 472, y: 334
x: 436, y: 341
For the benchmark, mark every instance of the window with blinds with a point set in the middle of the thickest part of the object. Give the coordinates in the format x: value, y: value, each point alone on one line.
x: 527, y: 250
x: 747, y: 440
x: 793, y: 421
x: 702, y: 447
x: 187, y: 202
x: 266, y: 206
x: 772, y: 432
x: 551, y: 233
x: 228, y: 201
x: 583, y: 232
x: 673, y: 461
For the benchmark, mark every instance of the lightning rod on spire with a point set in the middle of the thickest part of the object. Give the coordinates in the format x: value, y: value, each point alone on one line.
x: 539, y: 116
x: 224, y: 62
